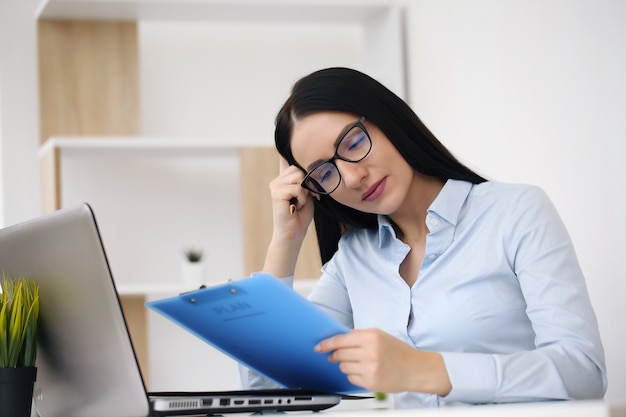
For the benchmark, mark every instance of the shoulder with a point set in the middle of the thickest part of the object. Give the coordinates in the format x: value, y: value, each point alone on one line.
x: 518, y: 208
x: 510, y: 195
x: 501, y: 204
x: 504, y: 189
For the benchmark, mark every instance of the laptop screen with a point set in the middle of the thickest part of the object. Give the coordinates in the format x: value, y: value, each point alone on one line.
x: 86, y: 363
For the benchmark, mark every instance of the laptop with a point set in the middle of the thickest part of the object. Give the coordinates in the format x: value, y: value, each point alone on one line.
x: 86, y: 362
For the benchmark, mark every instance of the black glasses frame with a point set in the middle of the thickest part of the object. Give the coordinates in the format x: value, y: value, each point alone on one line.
x: 318, y: 189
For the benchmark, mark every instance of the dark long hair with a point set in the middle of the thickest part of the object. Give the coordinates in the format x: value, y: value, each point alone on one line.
x: 350, y: 91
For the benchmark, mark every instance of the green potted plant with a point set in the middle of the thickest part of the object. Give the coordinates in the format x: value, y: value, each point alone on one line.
x: 193, y: 255
x: 192, y: 269
x: 19, y: 313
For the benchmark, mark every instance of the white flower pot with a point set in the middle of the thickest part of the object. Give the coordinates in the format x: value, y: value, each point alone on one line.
x: 192, y: 274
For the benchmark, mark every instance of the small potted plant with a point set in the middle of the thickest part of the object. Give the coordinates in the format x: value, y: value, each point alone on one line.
x: 19, y: 313
x: 193, y: 255
x: 192, y: 269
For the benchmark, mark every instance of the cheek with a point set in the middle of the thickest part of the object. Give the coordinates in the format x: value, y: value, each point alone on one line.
x: 339, y: 196
x: 387, y: 152
x: 394, y: 161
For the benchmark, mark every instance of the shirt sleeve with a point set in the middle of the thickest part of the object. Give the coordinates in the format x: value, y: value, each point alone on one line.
x: 331, y: 295
x: 568, y: 359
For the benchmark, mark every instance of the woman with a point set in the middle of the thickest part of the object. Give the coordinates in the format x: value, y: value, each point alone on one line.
x: 458, y: 289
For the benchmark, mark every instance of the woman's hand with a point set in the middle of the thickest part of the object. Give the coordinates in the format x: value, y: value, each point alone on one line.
x: 283, y: 189
x: 289, y: 228
x: 379, y: 362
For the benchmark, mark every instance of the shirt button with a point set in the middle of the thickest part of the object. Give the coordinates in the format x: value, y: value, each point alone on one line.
x: 431, y: 257
x: 434, y: 222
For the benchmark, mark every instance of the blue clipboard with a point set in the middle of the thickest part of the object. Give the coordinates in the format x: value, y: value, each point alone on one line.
x: 265, y: 325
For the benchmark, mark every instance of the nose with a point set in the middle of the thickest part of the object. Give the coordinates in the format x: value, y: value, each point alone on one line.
x: 352, y: 173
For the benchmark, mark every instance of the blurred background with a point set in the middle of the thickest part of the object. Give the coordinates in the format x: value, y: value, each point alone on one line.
x: 526, y: 91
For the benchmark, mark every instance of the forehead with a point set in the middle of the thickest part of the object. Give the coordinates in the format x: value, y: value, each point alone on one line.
x: 313, y: 137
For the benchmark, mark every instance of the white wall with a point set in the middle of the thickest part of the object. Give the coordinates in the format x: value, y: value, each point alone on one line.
x: 19, y: 112
x: 226, y: 81
x: 534, y: 91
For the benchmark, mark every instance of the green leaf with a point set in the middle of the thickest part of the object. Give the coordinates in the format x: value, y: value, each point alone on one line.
x: 4, y: 328
x: 17, y: 326
x: 30, y: 338
x: 19, y: 315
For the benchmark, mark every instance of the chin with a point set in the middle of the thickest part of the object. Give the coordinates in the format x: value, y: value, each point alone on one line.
x: 379, y: 208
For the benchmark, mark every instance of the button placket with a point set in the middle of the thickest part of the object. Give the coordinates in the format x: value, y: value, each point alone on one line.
x: 434, y: 228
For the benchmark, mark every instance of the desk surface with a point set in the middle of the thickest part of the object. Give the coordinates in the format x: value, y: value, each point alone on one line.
x: 542, y: 409
x: 546, y: 409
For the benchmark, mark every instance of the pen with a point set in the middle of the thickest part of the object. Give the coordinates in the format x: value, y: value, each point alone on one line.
x: 292, y: 205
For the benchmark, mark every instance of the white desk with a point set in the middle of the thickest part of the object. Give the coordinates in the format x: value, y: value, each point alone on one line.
x: 547, y: 409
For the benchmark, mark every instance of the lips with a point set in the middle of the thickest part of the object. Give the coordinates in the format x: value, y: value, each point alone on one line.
x: 374, y: 191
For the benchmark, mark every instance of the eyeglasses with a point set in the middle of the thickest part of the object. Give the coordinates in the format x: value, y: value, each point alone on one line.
x: 353, y: 146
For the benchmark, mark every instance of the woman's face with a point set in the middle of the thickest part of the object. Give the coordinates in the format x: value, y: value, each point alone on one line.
x: 378, y: 184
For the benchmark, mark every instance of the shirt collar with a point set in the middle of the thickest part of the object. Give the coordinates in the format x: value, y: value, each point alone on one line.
x: 450, y: 200
x: 446, y: 205
x: 385, y: 230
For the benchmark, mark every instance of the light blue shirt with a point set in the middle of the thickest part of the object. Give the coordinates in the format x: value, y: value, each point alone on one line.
x: 500, y: 295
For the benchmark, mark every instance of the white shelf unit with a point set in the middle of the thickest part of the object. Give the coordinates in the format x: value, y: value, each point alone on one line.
x: 153, y: 198
x: 152, y: 195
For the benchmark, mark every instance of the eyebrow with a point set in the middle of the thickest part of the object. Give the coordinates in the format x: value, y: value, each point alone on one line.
x: 343, y: 132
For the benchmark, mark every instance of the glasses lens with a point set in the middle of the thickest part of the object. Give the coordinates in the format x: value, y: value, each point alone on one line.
x: 355, y: 145
x: 324, y: 178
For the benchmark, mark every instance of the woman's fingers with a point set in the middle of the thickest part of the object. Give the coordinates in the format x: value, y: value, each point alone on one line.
x: 282, y: 163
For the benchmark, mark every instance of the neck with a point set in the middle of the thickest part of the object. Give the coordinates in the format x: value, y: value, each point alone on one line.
x: 410, y: 218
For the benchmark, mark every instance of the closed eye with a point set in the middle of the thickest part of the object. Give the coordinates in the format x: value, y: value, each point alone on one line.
x: 358, y: 142
x: 354, y: 141
x: 325, y: 172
